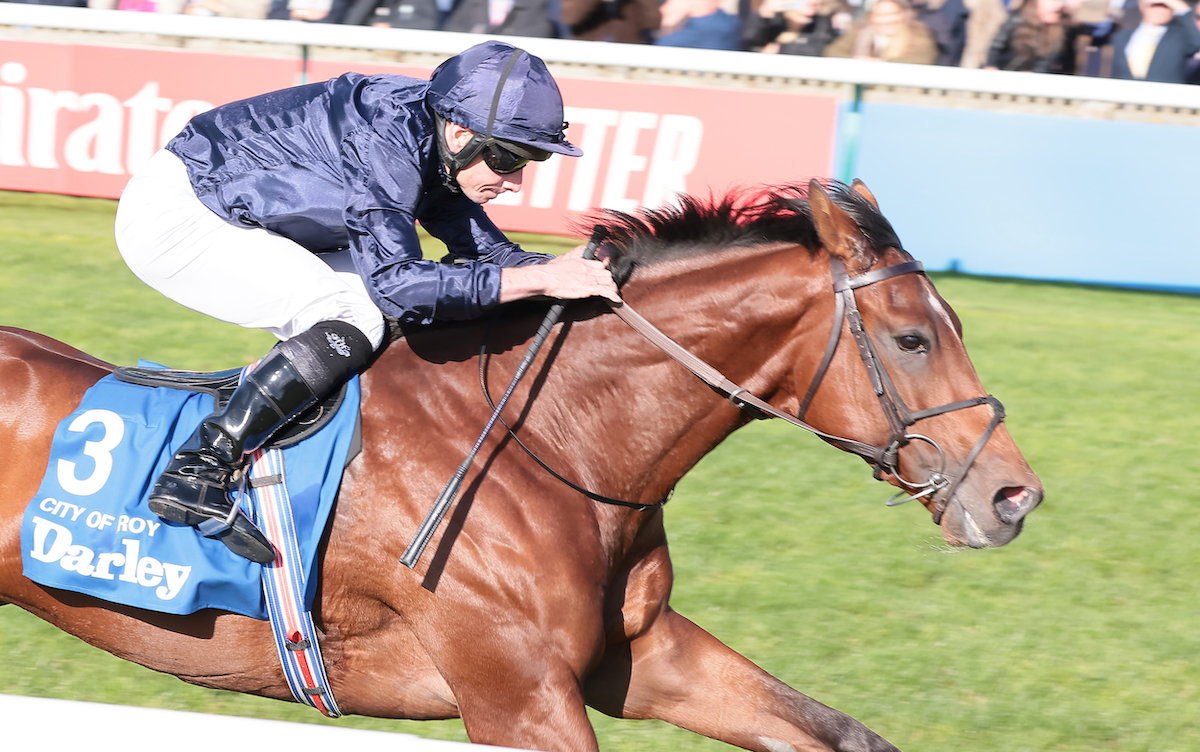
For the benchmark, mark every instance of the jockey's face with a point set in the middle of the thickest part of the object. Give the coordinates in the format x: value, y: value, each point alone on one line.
x: 476, y: 180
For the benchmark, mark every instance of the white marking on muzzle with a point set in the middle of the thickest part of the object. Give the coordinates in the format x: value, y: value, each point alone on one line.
x: 975, y: 535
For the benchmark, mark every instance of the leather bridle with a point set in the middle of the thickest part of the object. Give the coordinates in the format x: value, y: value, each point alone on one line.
x: 884, y: 458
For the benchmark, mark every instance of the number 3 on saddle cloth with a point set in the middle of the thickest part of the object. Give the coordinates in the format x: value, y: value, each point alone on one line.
x: 89, y: 529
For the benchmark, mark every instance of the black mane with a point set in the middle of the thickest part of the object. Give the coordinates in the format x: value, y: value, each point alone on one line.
x: 739, y: 219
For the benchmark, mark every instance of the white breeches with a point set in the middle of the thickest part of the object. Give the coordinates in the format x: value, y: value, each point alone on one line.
x: 244, y: 275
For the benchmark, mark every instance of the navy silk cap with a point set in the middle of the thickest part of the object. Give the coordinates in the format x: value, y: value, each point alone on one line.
x: 529, y: 107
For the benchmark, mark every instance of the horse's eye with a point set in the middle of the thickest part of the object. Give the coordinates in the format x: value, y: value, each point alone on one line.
x: 912, y: 343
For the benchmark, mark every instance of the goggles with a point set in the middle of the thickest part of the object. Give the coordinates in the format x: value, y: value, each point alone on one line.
x: 505, y: 159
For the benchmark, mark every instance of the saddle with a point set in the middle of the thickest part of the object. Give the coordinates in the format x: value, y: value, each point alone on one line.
x: 220, y: 385
x: 278, y: 592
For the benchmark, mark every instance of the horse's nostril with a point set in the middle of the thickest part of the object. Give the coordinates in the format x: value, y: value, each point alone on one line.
x: 1012, y: 503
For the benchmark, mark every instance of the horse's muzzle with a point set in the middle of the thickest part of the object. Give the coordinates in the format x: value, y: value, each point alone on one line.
x: 988, y: 526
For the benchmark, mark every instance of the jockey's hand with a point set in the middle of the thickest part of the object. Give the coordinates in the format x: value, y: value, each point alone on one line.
x: 568, y: 277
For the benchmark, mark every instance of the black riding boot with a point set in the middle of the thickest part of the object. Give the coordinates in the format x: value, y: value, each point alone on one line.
x: 194, y: 487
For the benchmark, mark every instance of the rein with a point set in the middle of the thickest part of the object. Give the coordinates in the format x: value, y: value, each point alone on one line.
x: 885, y: 458
x: 545, y: 465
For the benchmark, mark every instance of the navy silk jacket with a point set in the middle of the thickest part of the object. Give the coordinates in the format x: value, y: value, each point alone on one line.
x: 352, y: 163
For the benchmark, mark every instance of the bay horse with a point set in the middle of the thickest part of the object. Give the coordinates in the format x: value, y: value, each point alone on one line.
x: 535, y: 600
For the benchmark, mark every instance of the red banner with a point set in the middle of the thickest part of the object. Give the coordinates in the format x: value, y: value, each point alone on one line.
x: 78, y: 119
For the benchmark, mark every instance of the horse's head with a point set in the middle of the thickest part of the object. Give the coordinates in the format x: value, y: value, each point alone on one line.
x: 894, y: 383
x: 901, y: 382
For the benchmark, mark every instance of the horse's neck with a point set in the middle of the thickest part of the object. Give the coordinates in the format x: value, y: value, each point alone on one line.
x: 610, y: 410
x: 737, y: 310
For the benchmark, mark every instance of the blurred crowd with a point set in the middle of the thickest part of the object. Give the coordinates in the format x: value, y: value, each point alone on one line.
x: 1152, y: 40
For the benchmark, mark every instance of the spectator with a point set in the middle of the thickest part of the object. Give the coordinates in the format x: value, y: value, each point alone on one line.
x: 1159, y: 48
x: 984, y: 19
x: 1129, y: 14
x: 522, y: 18
x: 397, y: 14
x: 326, y: 11
x: 144, y: 6
x: 1095, y: 21
x: 1038, y: 37
x: 1193, y: 65
x: 630, y: 21
x: 891, y: 33
x: 947, y: 21
x: 699, y: 23
x: 227, y: 8
x: 791, y: 27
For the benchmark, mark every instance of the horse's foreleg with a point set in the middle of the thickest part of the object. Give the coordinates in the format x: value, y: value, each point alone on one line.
x: 524, y: 710
x: 681, y: 674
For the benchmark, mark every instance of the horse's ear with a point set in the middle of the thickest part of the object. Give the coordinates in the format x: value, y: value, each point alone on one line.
x: 620, y: 264
x: 861, y: 189
x: 607, y: 252
x: 838, y: 231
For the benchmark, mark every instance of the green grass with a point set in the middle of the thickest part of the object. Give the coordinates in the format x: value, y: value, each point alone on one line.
x: 1081, y: 635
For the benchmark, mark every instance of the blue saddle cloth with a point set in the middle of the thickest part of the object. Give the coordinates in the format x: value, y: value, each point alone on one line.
x: 89, y: 529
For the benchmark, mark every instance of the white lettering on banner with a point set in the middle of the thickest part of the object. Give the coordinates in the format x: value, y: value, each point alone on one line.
x: 675, y: 151
x: 12, y: 115
x: 143, y: 117
x: 541, y: 195
x: 123, y: 130
x: 137, y: 525
x: 54, y: 543
x: 125, y: 524
x: 99, y: 520
x: 61, y: 509
x: 95, y: 146
x: 595, y: 131
x: 43, y: 124
x: 625, y: 160
x: 51, y: 505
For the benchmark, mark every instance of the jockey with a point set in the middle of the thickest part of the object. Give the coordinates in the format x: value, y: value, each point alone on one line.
x: 294, y: 212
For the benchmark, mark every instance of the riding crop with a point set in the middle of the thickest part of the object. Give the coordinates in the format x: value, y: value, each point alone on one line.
x: 412, y: 554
